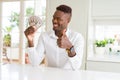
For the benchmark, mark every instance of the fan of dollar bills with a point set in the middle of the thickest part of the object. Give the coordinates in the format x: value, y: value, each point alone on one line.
x: 35, y: 21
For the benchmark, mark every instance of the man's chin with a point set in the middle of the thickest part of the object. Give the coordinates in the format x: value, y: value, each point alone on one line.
x: 55, y: 29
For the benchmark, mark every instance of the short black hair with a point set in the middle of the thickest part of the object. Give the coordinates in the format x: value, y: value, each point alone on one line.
x: 65, y: 9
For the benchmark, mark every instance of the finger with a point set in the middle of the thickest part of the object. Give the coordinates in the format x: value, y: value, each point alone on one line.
x: 29, y: 30
x: 64, y: 31
x: 34, y: 27
x: 59, y: 42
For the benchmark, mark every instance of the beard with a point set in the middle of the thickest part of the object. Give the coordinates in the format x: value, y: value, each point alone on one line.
x: 59, y: 31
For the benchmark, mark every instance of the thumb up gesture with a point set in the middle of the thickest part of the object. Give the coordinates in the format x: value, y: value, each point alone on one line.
x: 63, y: 41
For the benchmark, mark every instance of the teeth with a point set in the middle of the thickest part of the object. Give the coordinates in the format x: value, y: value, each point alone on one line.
x: 55, y: 25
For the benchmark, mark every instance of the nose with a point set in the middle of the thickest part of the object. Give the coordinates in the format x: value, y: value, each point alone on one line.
x: 54, y: 20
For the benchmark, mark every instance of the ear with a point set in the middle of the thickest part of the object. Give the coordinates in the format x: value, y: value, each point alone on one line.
x: 69, y: 19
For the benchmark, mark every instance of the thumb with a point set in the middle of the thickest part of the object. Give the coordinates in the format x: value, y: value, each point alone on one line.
x: 35, y: 28
x: 64, y: 32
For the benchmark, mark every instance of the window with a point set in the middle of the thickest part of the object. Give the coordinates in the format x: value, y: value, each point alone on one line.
x: 108, y: 32
x: 14, y: 21
x: 103, y: 31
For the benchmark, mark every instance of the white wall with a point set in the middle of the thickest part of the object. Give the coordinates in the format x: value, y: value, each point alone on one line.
x: 79, y: 17
x: 103, y: 66
x: 105, y: 8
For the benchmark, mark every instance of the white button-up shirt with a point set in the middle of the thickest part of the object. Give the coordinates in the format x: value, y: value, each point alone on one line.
x: 57, y: 57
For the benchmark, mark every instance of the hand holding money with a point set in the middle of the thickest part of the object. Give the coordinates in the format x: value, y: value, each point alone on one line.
x: 34, y: 23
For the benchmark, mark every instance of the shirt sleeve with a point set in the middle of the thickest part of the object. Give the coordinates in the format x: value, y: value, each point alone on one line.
x: 36, y: 54
x: 76, y: 61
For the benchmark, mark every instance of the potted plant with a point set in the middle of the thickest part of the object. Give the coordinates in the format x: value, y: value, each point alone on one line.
x: 110, y: 41
x: 100, y: 46
x: 110, y: 45
x: 101, y: 43
x: 7, y: 37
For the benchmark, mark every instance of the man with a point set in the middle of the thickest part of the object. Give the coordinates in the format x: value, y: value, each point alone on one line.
x: 62, y: 47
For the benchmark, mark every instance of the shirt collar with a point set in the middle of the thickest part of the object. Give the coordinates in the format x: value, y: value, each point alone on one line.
x: 52, y: 34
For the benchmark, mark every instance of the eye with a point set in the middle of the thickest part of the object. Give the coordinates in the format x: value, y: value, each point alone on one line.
x: 59, y: 19
x: 54, y: 19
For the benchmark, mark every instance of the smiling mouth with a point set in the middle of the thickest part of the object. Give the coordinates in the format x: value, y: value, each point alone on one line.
x: 55, y: 25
